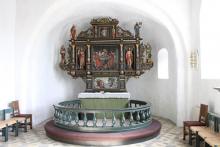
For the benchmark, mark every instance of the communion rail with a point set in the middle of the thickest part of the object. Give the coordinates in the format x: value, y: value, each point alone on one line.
x: 69, y: 115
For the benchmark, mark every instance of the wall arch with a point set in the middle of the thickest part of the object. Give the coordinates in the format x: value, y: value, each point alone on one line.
x: 53, y: 17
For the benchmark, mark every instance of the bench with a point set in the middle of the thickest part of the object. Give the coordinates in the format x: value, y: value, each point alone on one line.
x: 209, y: 134
x: 7, y: 121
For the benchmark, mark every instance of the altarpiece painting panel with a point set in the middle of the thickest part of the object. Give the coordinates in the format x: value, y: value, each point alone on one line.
x: 105, y: 57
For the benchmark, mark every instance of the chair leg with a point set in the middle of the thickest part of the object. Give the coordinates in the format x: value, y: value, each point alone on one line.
x: 197, y: 140
x: 190, y: 136
x: 3, y: 132
x: 16, y: 128
x: 184, y: 130
x: 6, y: 133
x: 25, y: 123
x: 31, y: 122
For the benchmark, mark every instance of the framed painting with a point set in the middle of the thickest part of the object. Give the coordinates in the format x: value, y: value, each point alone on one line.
x: 104, y: 32
x: 105, y: 83
x: 105, y: 58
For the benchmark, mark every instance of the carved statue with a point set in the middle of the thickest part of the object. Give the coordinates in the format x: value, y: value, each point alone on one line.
x: 137, y: 27
x: 63, y: 54
x: 129, y: 58
x: 73, y: 32
x: 113, y: 32
x: 81, y: 58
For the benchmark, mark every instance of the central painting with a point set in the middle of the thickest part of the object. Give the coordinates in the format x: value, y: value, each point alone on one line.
x: 105, y: 57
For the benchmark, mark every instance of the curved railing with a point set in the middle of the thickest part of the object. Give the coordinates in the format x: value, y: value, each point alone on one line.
x: 70, y: 115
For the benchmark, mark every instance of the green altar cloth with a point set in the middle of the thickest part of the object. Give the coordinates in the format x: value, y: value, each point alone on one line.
x: 104, y: 103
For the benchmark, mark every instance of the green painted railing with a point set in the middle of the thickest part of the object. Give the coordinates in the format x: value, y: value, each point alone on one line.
x: 71, y: 116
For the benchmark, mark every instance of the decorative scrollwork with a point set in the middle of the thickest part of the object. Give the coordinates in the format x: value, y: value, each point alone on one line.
x: 104, y: 20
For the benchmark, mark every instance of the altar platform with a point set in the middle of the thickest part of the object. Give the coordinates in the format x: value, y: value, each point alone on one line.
x: 103, y: 139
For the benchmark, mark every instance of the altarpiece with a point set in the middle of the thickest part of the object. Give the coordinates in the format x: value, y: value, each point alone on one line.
x: 105, y: 55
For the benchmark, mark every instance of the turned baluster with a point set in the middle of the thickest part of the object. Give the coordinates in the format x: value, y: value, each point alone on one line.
x: 85, y: 120
x: 104, y: 121
x: 76, y: 119
x: 94, y: 120
x: 58, y: 115
x: 55, y: 115
x: 69, y: 118
x: 143, y: 117
x: 147, y: 113
x: 131, y: 119
x: 62, y: 116
x: 122, y: 123
x: 138, y: 117
x: 113, y: 119
x: 65, y: 119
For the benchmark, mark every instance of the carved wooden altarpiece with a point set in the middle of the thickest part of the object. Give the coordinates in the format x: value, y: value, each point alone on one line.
x: 106, y: 55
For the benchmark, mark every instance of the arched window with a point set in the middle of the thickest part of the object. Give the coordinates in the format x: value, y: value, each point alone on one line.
x: 163, y: 69
x: 209, y: 39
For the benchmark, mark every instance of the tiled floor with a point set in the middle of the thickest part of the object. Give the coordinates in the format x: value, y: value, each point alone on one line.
x: 170, y: 136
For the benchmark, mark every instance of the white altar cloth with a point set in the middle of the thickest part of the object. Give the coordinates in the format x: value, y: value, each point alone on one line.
x: 104, y: 95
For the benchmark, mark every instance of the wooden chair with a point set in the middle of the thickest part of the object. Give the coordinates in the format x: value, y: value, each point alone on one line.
x: 203, y: 120
x: 7, y: 122
x: 210, y: 134
x: 16, y: 113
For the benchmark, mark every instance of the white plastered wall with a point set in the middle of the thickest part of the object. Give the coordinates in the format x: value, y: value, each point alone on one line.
x: 7, y: 29
x: 41, y: 29
x: 39, y: 36
x: 202, y: 89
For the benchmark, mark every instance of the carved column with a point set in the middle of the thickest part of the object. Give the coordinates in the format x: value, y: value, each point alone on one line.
x: 137, y: 57
x: 73, y: 54
x: 88, y: 59
x: 88, y: 68
x: 95, y: 31
x: 121, y: 58
x: 122, y: 76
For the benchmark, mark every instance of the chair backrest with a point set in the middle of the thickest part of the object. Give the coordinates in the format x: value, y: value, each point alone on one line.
x: 214, y: 122
x: 2, y: 115
x: 8, y: 113
x: 15, y: 106
x: 203, y: 115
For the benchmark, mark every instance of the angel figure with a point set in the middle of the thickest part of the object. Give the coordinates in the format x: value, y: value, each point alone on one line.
x: 63, y: 54
x: 73, y: 32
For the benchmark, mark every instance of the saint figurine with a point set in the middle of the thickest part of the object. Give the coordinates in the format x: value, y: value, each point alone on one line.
x: 137, y: 27
x: 81, y: 58
x: 129, y: 58
x: 73, y: 32
x: 63, y: 54
x: 113, y: 32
